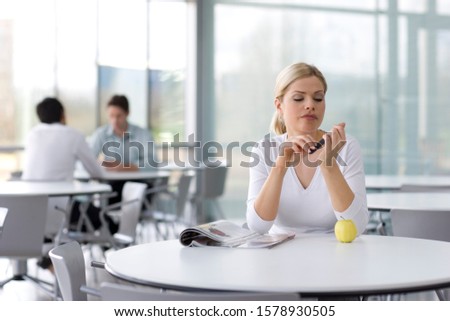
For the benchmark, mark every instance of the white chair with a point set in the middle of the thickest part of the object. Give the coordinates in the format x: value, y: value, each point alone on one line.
x: 120, y: 292
x: 57, y: 213
x: 22, y: 235
x: 3, y: 213
x: 133, y: 195
x: 431, y: 225
x: 212, y: 187
x: 168, y: 207
x: 376, y: 224
x: 126, y: 213
x: 70, y: 270
x: 413, y: 188
x: 382, y: 225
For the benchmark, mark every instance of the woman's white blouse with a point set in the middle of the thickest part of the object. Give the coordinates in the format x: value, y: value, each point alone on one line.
x: 307, y: 210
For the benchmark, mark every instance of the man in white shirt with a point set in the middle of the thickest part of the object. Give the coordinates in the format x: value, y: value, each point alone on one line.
x: 52, y: 148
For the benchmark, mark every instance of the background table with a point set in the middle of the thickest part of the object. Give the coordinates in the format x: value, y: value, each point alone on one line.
x: 52, y: 189
x: 124, y: 176
x: 11, y: 149
x: 18, y: 188
x: 312, y: 265
x: 408, y: 201
x: 395, y: 182
x: 118, y: 179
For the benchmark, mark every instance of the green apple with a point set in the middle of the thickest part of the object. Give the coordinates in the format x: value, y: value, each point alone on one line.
x: 345, y: 231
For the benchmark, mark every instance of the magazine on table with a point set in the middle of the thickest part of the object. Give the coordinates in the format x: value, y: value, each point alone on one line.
x: 227, y: 234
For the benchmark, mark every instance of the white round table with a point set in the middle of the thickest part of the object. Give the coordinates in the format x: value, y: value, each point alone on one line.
x: 312, y: 265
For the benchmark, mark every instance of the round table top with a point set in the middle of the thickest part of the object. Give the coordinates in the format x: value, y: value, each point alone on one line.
x: 408, y: 201
x: 309, y: 264
x: 60, y: 188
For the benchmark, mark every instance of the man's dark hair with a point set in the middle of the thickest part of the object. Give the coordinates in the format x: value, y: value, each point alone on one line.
x: 50, y: 110
x: 119, y: 101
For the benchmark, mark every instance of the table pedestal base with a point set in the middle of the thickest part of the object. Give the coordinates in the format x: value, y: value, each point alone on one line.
x: 20, y: 270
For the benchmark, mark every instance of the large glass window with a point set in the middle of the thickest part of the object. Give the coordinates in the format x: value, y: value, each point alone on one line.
x: 387, y: 77
x: 48, y: 48
x: 27, y: 71
x: 83, y: 52
x: 248, y: 60
x: 385, y: 62
x: 167, y: 59
x: 75, y: 64
x: 122, y: 55
x: 142, y: 54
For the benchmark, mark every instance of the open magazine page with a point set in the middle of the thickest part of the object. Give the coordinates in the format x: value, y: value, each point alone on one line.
x: 227, y: 234
x: 218, y: 233
x: 266, y: 240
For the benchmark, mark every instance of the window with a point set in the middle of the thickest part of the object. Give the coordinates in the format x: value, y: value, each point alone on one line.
x: 387, y: 77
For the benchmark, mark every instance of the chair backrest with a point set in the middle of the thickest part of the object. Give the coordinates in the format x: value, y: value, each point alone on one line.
x: 213, y: 181
x: 56, y: 218
x: 3, y: 213
x: 23, y: 229
x: 119, y: 292
x: 131, y: 212
x: 184, y: 184
x: 432, y: 225
x: 70, y: 270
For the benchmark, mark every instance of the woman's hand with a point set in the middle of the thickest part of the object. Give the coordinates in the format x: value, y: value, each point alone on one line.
x: 334, y: 141
x: 293, y: 147
x: 341, y: 194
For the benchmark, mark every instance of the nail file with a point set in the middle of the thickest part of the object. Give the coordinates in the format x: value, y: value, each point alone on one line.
x: 317, y: 145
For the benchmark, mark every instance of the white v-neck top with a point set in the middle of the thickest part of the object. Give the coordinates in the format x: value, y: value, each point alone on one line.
x: 307, y: 210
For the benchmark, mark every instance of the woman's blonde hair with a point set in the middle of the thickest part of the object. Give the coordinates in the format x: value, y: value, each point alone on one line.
x: 286, y: 77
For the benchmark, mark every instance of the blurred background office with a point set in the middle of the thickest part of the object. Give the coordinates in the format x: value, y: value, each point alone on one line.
x: 207, y: 67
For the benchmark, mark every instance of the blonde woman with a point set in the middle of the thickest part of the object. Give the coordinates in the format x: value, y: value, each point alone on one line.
x: 298, y: 184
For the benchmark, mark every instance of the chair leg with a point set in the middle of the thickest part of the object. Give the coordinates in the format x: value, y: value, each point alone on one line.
x: 158, y: 231
x: 47, y: 287
x: 219, y: 209
x: 165, y: 236
x: 441, y: 295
